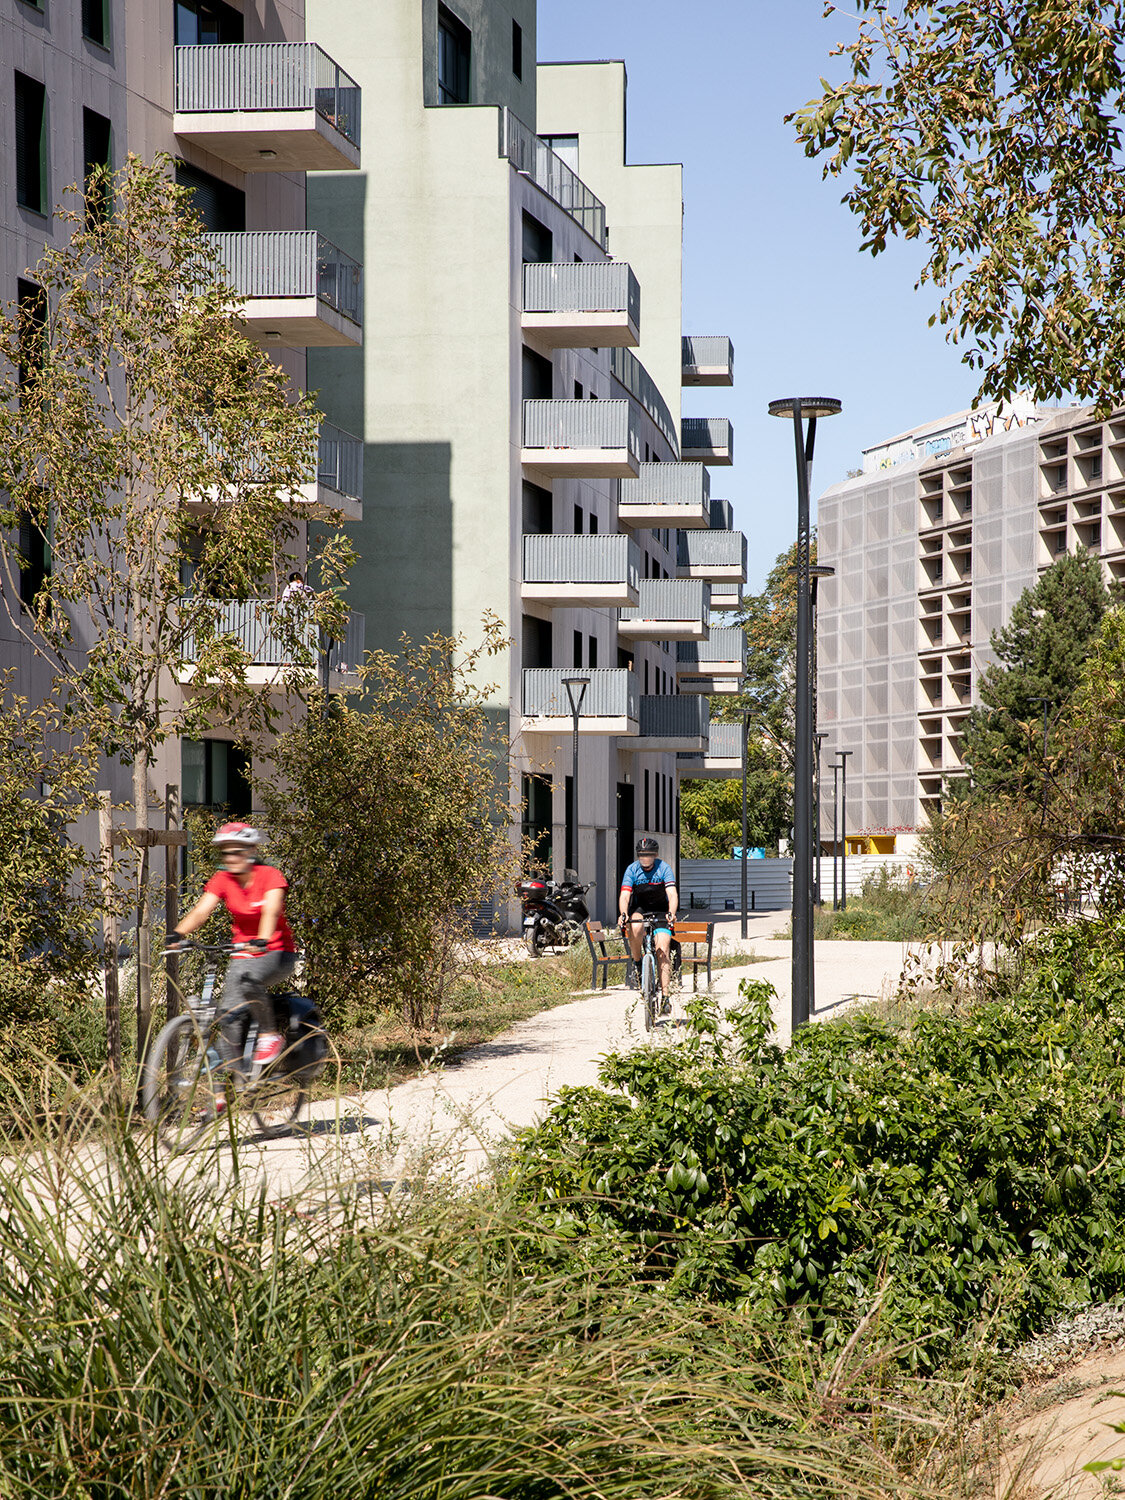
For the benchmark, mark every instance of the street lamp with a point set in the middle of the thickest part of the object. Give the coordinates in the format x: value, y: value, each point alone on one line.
x: 843, y: 754
x: 571, y: 684
x: 820, y: 736
x: 800, y: 408
x: 835, y: 836
x: 742, y: 851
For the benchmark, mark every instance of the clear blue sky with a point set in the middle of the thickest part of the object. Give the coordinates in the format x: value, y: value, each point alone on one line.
x: 771, y: 256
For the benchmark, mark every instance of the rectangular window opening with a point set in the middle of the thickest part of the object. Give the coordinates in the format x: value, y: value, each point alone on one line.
x: 517, y: 50
x: 31, y: 144
x: 454, y: 58
x: 97, y: 150
x: 95, y: 21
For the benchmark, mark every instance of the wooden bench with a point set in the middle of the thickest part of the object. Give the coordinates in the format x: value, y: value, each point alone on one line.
x: 695, y: 935
x: 600, y: 957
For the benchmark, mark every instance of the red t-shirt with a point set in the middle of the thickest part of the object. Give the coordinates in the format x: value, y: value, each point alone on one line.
x: 244, y: 902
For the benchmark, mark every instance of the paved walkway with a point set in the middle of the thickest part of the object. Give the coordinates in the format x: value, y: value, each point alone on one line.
x: 451, y: 1118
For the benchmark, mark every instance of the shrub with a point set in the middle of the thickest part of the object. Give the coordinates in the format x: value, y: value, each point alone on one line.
x: 963, y: 1162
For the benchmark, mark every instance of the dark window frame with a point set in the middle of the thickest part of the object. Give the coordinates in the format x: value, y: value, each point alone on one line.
x: 517, y: 49
x: 454, y: 59
x: 95, y: 22
x: 31, y: 121
x: 97, y: 153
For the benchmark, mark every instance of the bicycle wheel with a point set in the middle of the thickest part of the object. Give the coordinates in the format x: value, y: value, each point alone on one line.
x: 276, y: 1099
x: 178, y: 1087
x: 649, y: 989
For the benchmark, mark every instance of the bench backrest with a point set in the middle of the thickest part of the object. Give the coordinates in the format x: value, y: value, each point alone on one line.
x: 694, y: 932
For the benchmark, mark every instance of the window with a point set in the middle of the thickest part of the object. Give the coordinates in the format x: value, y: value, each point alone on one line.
x: 578, y: 518
x: 206, y: 23
x: 95, y: 21
x: 565, y: 146
x: 537, y: 648
x: 33, y: 317
x: 97, y: 150
x: 517, y: 50
x: 538, y: 376
x: 593, y: 524
x: 215, y: 773
x: 537, y: 818
x: 221, y: 207
x: 646, y: 824
x: 31, y: 144
x: 578, y: 393
x: 538, y: 505
x: 577, y: 662
x: 592, y: 657
x: 538, y: 242
x: 454, y: 53
x: 35, y: 560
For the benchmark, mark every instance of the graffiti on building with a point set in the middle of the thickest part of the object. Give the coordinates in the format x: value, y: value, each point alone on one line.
x: 971, y: 428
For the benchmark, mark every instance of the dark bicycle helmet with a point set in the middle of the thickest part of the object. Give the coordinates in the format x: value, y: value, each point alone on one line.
x: 647, y: 846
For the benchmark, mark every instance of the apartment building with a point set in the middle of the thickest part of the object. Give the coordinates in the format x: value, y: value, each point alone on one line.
x: 518, y: 393
x: 245, y: 105
x: 933, y: 544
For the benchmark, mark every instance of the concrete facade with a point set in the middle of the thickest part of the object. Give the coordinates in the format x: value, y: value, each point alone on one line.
x: 450, y: 383
x: 933, y: 544
x: 127, y: 75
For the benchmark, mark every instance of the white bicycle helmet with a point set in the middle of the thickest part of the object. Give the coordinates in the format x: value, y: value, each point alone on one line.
x: 238, y: 833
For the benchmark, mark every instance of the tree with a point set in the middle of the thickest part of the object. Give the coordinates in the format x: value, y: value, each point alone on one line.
x: 391, y: 821
x: 1041, y: 654
x: 991, y: 135
x: 143, y: 437
x: 711, y: 811
x: 769, y: 622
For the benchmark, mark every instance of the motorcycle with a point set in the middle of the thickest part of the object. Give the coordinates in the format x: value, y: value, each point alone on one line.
x: 553, y: 912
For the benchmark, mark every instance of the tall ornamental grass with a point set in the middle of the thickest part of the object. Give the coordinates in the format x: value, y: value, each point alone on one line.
x: 166, y: 1333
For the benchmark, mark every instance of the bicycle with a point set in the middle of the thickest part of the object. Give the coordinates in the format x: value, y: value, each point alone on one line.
x: 185, y: 1086
x: 650, y: 973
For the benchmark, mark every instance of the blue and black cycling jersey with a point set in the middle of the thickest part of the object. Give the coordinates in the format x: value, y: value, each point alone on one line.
x: 648, y: 889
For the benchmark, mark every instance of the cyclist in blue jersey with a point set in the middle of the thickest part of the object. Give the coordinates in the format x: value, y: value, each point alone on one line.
x: 649, y: 885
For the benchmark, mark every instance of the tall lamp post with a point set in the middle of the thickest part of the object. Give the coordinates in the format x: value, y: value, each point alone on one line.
x: 843, y: 754
x: 745, y: 746
x: 800, y: 409
x: 573, y: 685
x: 818, y: 899
x: 835, y: 836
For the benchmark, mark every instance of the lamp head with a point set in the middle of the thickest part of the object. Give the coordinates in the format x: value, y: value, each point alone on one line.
x: 809, y: 406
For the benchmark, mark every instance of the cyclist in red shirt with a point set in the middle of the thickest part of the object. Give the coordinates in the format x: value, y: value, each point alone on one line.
x: 254, y: 894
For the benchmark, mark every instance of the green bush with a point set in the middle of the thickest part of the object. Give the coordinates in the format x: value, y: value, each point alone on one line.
x: 963, y: 1163
x: 168, y: 1335
x: 886, y: 910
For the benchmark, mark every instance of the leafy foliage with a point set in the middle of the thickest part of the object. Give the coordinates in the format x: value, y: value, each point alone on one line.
x: 1040, y: 655
x: 391, y: 822
x: 969, y: 1161
x: 49, y: 895
x: 991, y: 134
x: 711, y: 811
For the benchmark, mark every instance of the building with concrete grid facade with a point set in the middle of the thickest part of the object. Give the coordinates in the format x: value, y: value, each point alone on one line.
x: 933, y: 544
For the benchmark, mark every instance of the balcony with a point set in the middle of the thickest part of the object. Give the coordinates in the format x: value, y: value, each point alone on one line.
x: 299, y: 291
x: 334, y: 486
x: 721, y: 759
x: 716, y: 665
x: 707, y: 440
x: 668, y: 609
x: 268, y: 107
x: 269, y: 642
x: 671, y: 723
x: 719, y: 556
x: 610, y: 704
x: 707, y: 360
x: 581, y: 305
x: 571, y: 572
x: 666, y: 495
x: 581, y: 439
x: 551, y: 175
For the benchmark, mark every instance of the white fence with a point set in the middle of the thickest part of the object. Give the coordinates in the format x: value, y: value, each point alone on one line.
x: 711, y: 883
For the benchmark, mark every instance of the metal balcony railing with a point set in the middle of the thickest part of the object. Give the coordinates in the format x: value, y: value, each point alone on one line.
x: 628, y: 370
x: 249, y: 76
x: 724, y: 742
x: 671, y: 599
x: 339, y: 461
x: 291, y: 263
x: 527, y: 153
x: 707, y: 434
x: 668, y: 484
x: 708, y: 352
x: 581, y: 287
x: 611, y: 694
x: 712, y: 549
x: 580, y: 424
x: 674, y: 717
x: 725, y: 643
x: 581, y: 559
x: 267, y: 640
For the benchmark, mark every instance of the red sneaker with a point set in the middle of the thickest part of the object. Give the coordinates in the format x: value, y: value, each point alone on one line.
x: 268, y: 1048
